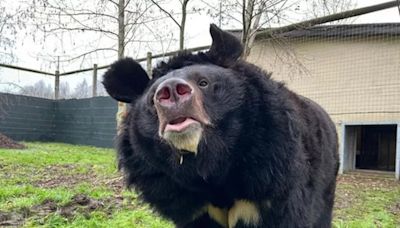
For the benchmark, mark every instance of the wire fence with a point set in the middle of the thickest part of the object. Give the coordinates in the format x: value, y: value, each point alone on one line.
x: 353, y: 71
x: 281, y: 43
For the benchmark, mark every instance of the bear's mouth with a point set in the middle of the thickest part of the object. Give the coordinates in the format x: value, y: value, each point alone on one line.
x: 180, y: 124
x: 183, y: 133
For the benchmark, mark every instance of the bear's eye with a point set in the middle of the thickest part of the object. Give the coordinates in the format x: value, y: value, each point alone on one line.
x: 203, y: 83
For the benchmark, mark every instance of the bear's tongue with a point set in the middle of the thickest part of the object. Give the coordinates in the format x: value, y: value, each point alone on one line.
x: 180, y: 124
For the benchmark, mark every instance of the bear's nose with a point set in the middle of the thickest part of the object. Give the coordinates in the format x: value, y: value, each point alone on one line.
x: 173, y: 91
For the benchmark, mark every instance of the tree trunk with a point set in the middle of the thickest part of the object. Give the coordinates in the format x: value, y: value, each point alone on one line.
x: 247, y: 17
x: 251, y: 33
x: 182, y: 26
x: 122, y: 110
x: 121, y: 28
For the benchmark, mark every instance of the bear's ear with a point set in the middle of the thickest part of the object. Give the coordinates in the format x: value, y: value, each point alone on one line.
x: 225, y: 47
x: 125, y: 80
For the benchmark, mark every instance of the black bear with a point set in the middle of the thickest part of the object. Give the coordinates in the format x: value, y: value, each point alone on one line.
x: 212, y: 141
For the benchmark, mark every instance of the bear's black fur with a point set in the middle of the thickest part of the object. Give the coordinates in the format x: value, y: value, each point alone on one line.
x: 266, y: 158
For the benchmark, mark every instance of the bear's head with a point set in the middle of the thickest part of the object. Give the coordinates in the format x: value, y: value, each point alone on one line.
x: 190, y: 106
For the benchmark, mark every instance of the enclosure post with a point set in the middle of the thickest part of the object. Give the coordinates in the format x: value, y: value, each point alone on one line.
x: 342, y: 141
x: 57, y: 85
x: 397, y: 165
x: 94, y: 87
x: 148, y: 64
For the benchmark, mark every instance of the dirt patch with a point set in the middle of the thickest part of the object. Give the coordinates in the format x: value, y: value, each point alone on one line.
x: 43, y: 209
x: 79, y: 204
x: 60, y: 176
x: 367, y: 181
x: 395, y: 209
x: 11, y: 219
x: 345, y: 198
x: 6, y: 142
x: 63, y: 181
x: 116, y: 184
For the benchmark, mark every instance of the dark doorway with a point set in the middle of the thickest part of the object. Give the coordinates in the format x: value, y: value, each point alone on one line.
x: 376, y: 147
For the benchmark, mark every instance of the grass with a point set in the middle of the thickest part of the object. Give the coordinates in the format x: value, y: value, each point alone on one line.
x: 61, y: 185
x: 40, y: 187
x: 367, y: 201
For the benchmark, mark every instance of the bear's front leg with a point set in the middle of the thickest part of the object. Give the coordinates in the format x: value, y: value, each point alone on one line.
x: 204, y: 220
x: 246, y: 214
x: 185, y: 208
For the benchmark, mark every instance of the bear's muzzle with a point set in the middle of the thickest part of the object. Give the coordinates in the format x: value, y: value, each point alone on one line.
x: 180, y: 113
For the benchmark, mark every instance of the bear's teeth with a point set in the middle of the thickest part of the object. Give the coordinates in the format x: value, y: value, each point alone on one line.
x: 181, y: 160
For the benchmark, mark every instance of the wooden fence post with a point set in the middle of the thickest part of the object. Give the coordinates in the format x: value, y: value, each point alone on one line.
x: 94, y: 85
x: 57, y: 85
x: 148, y: 64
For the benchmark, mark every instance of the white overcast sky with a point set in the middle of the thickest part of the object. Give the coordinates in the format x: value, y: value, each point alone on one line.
x: 196, y: 33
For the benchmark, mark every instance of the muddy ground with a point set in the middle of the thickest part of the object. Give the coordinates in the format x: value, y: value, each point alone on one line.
x: 80, y: 204
x: 84, y: 205
x: 6, y: 142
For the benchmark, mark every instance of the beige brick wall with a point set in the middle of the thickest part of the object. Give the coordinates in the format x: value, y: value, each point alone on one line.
x: 353, y: 79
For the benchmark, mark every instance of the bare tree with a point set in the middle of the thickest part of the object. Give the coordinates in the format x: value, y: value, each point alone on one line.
x: 65, y: 91
x: 108, y: 27
x: 101, y: 91
x: 118, y: 23
x: 252, y: 15
x: 82, y: 90
x: 39, y: 89
x: 12, y: 21
x: 318, y: 8
x: 6, y: 30
x: 180, y: 23
x: 219, y: 11
x: 9, y: 87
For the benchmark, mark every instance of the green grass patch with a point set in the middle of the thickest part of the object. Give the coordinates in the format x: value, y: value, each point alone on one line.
x: 62, y: 185
x: 367, y: 202
x: 39, y: 187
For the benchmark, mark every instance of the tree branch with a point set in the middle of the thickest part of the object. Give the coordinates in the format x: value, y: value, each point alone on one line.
x: 88, y: 53
x: 166, y: 12
x: 79, y: 29
x: 13, y: 84
x: 329, y: 18
x: 73, y: 17
x: 126, y: 4
x: 113, y: 2
x: 88, y: 13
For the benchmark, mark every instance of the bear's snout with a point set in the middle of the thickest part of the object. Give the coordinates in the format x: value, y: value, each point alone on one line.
x: 174, y: 101
x: 173, y: 92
